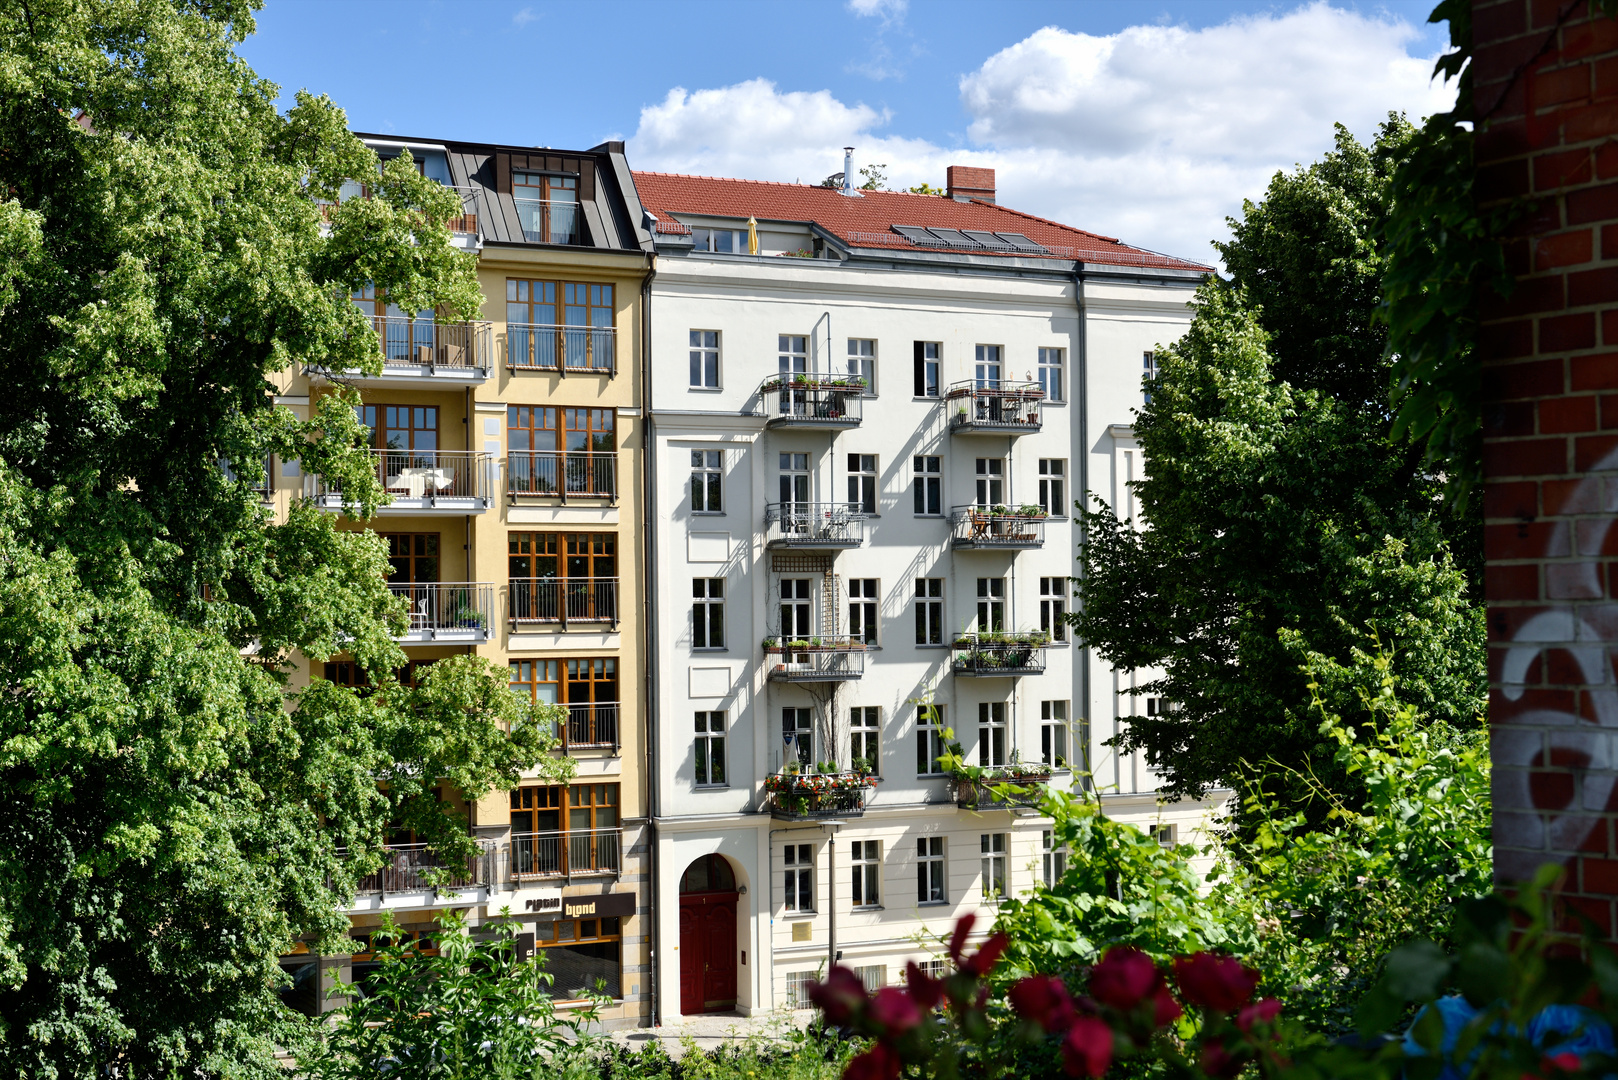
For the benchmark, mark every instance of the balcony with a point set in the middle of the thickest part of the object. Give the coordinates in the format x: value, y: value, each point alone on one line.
x: 583, y: 474
x: 1000, y: 655
x: 424, y: 352
x: 813, y: 525
x: 994, y: 407
x: 563, y: 604
x: 977, y: 792
x: 413, y: 874
x: 575, y: 853
x: 467, y: 223
x: 590, y: 726
x: 580, y: 350
x: 817, y: 796
x: 549, y: 221
x: 460, y: 612
x: 421, y: 482
x: 811, y: 402
x: 997, y: 527
x: 832, y: 659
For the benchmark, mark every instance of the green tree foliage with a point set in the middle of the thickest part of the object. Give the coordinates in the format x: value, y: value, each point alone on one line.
x: 173, y: 811
x: 1271, y: 529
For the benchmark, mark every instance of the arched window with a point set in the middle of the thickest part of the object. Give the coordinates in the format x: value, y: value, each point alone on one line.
x: 711, y: 873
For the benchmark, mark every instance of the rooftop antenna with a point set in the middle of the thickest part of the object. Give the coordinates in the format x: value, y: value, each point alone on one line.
x: 848, y: 187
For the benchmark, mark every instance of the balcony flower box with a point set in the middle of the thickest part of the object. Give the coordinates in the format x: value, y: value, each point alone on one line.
x: 797, y: 796
x: 1017, y: 784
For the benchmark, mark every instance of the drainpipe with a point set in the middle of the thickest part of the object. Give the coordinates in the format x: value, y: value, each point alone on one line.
x: 831, y: 898
x: 1081, y: 392
x: 649, y: 629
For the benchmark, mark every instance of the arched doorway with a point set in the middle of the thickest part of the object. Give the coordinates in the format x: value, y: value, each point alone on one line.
x: 708, y: 936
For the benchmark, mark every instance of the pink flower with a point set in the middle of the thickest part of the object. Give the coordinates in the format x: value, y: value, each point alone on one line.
x: 927, y: 990
x: 1214, y: 982
x: 841, y: 997
x: 1219, y: 1062
x: 1123, y: 978
x: 895, y: 1010
x: 1165, y: 1010
x: 1260, y: 1012
x: 1042, y: 999
x: 957, y: 940
x: 880, y: 1062
x: 1087, y: 1050
x: 982, y: 962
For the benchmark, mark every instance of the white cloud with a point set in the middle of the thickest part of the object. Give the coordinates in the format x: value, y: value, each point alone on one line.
x: 1154, y: 134
x: 523, y: 17
x: 886, y: 9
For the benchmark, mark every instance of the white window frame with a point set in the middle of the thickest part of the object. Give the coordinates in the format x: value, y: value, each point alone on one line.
x: 1053, y: 486
x: 932, y: 371
x: 989, y: 476
x: 789, y: 607
x: 1166, y: 835
x: 995, y: 852
x: 708, y: 481
x: 927, y: 485
x: 706, y: 239
x: 863, y: 602
x: 797, y: 989
x: 932, y: 870
x: 991, y: 610
x: 799, y: 878
x: 1053, y: 858
x: 710, y: 736
x: 798, y: 721
x: 704, y: 345
x: 1148, y: 373
x: 994, y: 734
x: 1052, y: 606
x: 1054, y: 735
x: 865, y: 861
x: 929, y: 607
x: 865, y: 736
x: 1051, y: 363
x: 930, y: 739
x: 864, y: 483
x: 863, y: 363
x: 707, y: 608
x: 791, y: 350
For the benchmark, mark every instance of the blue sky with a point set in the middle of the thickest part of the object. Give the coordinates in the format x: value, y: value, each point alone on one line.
x: 1148, y: 120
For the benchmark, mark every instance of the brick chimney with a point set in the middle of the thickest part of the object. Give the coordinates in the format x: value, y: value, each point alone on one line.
x: 964, y: 182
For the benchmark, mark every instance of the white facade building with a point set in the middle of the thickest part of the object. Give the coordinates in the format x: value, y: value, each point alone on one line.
x: 879, y: 528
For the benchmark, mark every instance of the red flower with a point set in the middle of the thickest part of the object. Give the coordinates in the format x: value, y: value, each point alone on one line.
x: 895, y: 1010
x: 1087, y: 1050
x: 1219, y: 1062
x: 1214, y: 982
x: 1165, y: 1010
x: 1260, y: 1012
x: 1042, y: 999
x: 957, y: 940
x: 982, y: 962
x: 880, y: 1062
x: 1123, y: 978
x: 841, y: 997
x: 927, y: 990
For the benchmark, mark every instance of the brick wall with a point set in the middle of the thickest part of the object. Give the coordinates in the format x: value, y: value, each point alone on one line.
x: 1546, y: 82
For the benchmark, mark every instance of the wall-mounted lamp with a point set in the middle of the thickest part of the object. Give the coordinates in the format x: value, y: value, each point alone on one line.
x: 741, y: 890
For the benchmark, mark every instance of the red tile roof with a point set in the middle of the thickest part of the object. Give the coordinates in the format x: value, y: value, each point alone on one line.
x: 868, y: 222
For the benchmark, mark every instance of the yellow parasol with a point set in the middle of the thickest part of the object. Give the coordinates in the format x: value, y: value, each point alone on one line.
x: 752, y: 235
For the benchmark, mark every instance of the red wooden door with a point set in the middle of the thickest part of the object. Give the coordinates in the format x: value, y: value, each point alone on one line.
x: 719, y: 981
x: 692, y: 946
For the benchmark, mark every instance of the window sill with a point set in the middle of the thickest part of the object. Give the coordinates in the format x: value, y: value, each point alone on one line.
x: 708, y: 513
x: 867, y: 907
x: 935, y: 646
x: 706, y: 389
x: 926, y: 397
x: 710, y: 787
x: 709, y: 652
x: 932, y: 903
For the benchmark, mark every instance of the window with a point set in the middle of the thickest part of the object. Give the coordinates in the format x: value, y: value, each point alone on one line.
x: 725, y: 241
x: 401, y: 427
x: 929, y: 740
x: 1053, y: 607
x: 563, y: 577
x: 798, y: 735
x: 1148, y: 374
x: 927, y: 358
x: 554, y: 325
x: 1050, y: 373
x: 412, y: 558
x: 547, y: 206
x: 987, y: 371
x: 793, y: 477
x: 583, y: 953
x: 991, y: 605
x: 862, y: 482
x: 708, y: 613
x: 403, y: 336
x: 929, y: 611
x: 1166, y: 835
x: 994, y: 847
x: 864, y: 725
x: 862, y: 362
x: 796, y: 622
x: 992, y: 734
x: 798, y: 983
x: 711, y: 749
x: 933, y: 969
x: 1156, y: 706
x: 705, y: 359
x: 1053, y: 486
x: 792, y: 354
x: 587, y: 686
x: 867, y: 867
x: 800, y: 877
x: 991, y: 481
x: 873, y: 976
x: 930, y: 871
x: 927, y: 484
x: 561, y: 451
x: 707, y: 483
x: 862, y: 597
x: 559, y: 830
x: 1054, y: 858
x: 1053, y: 734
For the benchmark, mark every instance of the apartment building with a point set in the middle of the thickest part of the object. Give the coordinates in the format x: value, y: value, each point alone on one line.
x: 871, y: 413
x: 512, y: 449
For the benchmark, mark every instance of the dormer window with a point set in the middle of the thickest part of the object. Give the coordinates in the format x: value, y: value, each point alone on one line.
x: 548, y: 206
x: 727, y: 241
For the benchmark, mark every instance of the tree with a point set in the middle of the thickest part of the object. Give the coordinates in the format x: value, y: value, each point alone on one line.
x: 173, y: 814
x: 1270, y: 528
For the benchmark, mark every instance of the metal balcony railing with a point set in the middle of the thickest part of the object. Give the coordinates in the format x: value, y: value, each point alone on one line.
x: 566, y: 602
x: 994, y: 406
x: 806, y: 796
x: 813, y: 525
x: 566, y: 854
x: 413, y: 868
x: 999, y: 655
x: 468, y: 221
x: 997, y: 527
x: 568, y: 349
x: 451, y: 347
x: 456, y: 480
x: 462, y: 611
x: 548, y: 221
x: 821, y: 659
x: 590, y: 725
x: 583, y: 473
x: 811, y: 400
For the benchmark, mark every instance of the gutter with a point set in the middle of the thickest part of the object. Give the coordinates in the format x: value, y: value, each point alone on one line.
x: 649, y: 626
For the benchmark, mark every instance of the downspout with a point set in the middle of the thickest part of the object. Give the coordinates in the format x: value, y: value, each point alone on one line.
x: 1081, y: 389
x: 831, y: 899
x: 649, y: 626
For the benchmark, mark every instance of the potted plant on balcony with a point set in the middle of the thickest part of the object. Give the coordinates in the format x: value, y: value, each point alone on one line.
x: 770, y: 644
x: 1030, y: 510
x: 861, y: 766
x: 826, y: 768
